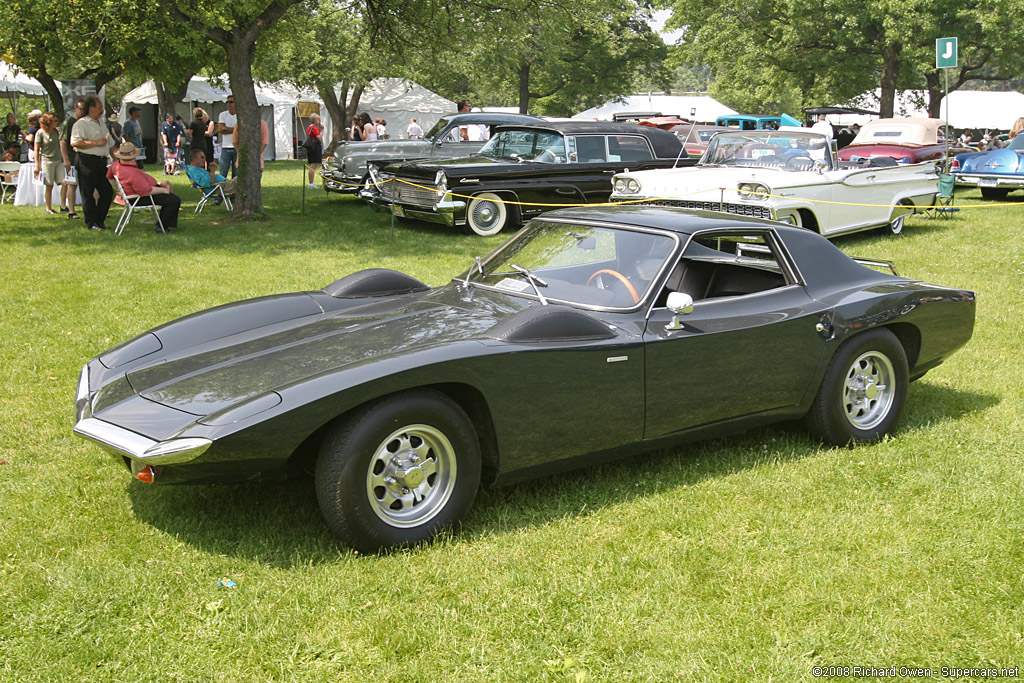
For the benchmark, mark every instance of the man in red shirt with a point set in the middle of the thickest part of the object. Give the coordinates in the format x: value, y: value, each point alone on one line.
x: 134, y: 181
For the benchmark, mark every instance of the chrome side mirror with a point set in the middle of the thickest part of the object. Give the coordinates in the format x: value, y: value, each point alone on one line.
x: 678, y: 302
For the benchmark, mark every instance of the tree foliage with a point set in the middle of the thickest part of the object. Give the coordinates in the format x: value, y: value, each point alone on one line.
x: 768, y: 54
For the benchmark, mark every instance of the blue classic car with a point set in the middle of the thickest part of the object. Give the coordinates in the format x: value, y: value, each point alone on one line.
x: 996, y: 172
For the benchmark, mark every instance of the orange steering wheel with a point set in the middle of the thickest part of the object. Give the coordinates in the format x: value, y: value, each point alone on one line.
x: 621, y: 278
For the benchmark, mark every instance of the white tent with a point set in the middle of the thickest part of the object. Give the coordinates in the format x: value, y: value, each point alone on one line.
x: 291, y: 116
x: 13, y: 84
x: 200, y: 93
x: 397, y: 100
x: 693, y: 107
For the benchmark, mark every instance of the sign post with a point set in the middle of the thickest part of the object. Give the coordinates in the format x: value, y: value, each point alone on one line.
x: 946, y: 50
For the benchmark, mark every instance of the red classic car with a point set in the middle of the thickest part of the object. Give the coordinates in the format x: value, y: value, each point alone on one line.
x: 908, y: 141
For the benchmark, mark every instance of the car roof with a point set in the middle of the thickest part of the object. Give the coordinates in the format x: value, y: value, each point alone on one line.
x: 496, y: 118
x: 906, y: 131
x: 666, y: 145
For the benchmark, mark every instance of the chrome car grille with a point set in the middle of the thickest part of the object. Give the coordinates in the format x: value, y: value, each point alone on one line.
x: 403, y: 193
x: 740, y: 209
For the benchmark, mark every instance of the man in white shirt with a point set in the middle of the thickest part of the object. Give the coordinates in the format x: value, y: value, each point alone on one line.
x: 823, y: 126
x: 91, y: 140
x: 414, y: 131
x: 226, y: 123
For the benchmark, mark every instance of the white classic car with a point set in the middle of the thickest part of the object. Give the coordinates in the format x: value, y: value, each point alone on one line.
x: 788, y: 175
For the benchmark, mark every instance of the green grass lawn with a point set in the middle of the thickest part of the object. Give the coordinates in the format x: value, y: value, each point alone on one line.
x: 754, y: 557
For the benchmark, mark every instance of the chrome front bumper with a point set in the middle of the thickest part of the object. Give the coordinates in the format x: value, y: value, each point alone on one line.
x: 120, y: 441
x: 446, y: 212
x: 335, y: 182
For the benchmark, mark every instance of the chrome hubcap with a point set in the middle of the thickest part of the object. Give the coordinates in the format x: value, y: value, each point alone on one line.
x: 411, y: 476
x: 867, y: 391
x: 485, y: 214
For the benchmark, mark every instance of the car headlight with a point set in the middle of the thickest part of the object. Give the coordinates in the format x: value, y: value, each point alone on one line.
x: 625, y: 186
x: 754, y: 190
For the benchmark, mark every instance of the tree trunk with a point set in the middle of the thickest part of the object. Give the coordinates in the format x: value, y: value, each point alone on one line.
x: 340, y: 111
x: 890, y: 71
x: 56, y: 96
x: 248, y: 201
x: 524, y: 87
x: 934, y: 81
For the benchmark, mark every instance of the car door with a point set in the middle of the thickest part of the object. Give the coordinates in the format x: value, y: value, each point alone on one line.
x: 749, y: 346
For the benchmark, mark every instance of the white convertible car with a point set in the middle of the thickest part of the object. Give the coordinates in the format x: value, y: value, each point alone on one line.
x: 788, y: 175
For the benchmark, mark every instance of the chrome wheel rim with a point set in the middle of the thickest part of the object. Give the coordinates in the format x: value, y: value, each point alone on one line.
x: 868, y: 391
x: 897, y: 225
x: 411, y: 476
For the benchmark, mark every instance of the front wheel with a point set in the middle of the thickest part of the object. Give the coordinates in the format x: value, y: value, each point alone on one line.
x: 487, y: 214
x: 863, y: 391
x: 398, y: 471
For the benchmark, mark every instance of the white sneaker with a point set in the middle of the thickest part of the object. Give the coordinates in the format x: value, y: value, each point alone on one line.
x: 311, y: 186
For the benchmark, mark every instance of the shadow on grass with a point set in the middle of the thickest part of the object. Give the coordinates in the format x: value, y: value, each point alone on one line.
x: 278, y: 523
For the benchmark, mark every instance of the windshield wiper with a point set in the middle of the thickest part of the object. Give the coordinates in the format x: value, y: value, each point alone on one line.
x: 533, y: 280
x: 479, y: 265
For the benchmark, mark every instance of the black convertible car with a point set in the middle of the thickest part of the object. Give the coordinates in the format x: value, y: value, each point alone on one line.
x: 593, y: 333
x: 524, y: 170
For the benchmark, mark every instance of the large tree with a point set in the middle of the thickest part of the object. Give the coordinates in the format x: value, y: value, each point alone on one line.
x: 829, y: 51
x: 234, y: 26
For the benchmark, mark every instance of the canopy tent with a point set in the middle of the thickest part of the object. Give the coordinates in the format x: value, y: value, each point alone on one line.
x: 200, y: 93
x: 693, y: 107
x: 13, y: 83
x: 397, y: 100
x: 292, y: 108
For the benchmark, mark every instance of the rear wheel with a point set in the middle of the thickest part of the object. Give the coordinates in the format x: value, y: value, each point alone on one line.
x: 487, y: 214
x: 398, y: 471
x: 863, y: 391
x: 896, y: 227
x: 997, y: 193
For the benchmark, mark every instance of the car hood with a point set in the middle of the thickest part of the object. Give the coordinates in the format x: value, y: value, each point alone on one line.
x: 215, y: 374
x: 996, y: 161
x: 699, y: 182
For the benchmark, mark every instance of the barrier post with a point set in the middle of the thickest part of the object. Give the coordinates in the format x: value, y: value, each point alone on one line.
x: 303, y: 169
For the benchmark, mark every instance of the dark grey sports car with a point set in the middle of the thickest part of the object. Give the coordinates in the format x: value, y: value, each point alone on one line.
x: 592, y: 333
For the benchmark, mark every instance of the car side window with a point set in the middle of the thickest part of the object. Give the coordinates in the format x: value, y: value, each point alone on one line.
x: 629, y: 148
x: 726, y: 264
x: 591, y: 148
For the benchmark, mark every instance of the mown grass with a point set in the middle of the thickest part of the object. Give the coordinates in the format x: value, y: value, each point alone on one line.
x: 753, y: 557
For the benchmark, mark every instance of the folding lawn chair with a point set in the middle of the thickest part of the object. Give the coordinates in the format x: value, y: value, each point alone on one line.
x: 215, y: 193
x: 8, y: 179
x: 943, y: 206
x: 131, y: 202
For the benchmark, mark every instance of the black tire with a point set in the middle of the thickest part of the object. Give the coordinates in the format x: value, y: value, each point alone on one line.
x: 863, y: 390
x: 398, y: 471
x: 997, y: 193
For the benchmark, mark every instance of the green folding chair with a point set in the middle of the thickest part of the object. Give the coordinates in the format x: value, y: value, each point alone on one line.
x: 943, y: 206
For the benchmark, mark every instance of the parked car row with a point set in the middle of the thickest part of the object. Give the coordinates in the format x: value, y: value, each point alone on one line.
x: 529, y: 166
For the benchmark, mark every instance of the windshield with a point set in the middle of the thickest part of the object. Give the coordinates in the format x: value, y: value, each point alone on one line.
x: 786, y: 150
x: 526, y: 145
x: 577, y: 264
x: 1017, y: 143
x: 436, y: 130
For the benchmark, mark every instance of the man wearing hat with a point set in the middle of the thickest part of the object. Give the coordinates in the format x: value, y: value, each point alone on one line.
x: 134, y: 181
x: 132, y: 131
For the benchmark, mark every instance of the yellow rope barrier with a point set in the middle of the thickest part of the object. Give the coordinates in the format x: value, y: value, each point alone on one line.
x: 674, y: 198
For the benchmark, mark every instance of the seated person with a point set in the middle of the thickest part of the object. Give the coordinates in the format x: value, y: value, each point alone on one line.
x: 205, y: 175
x: 13, y: 153
x: 135, y: 182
